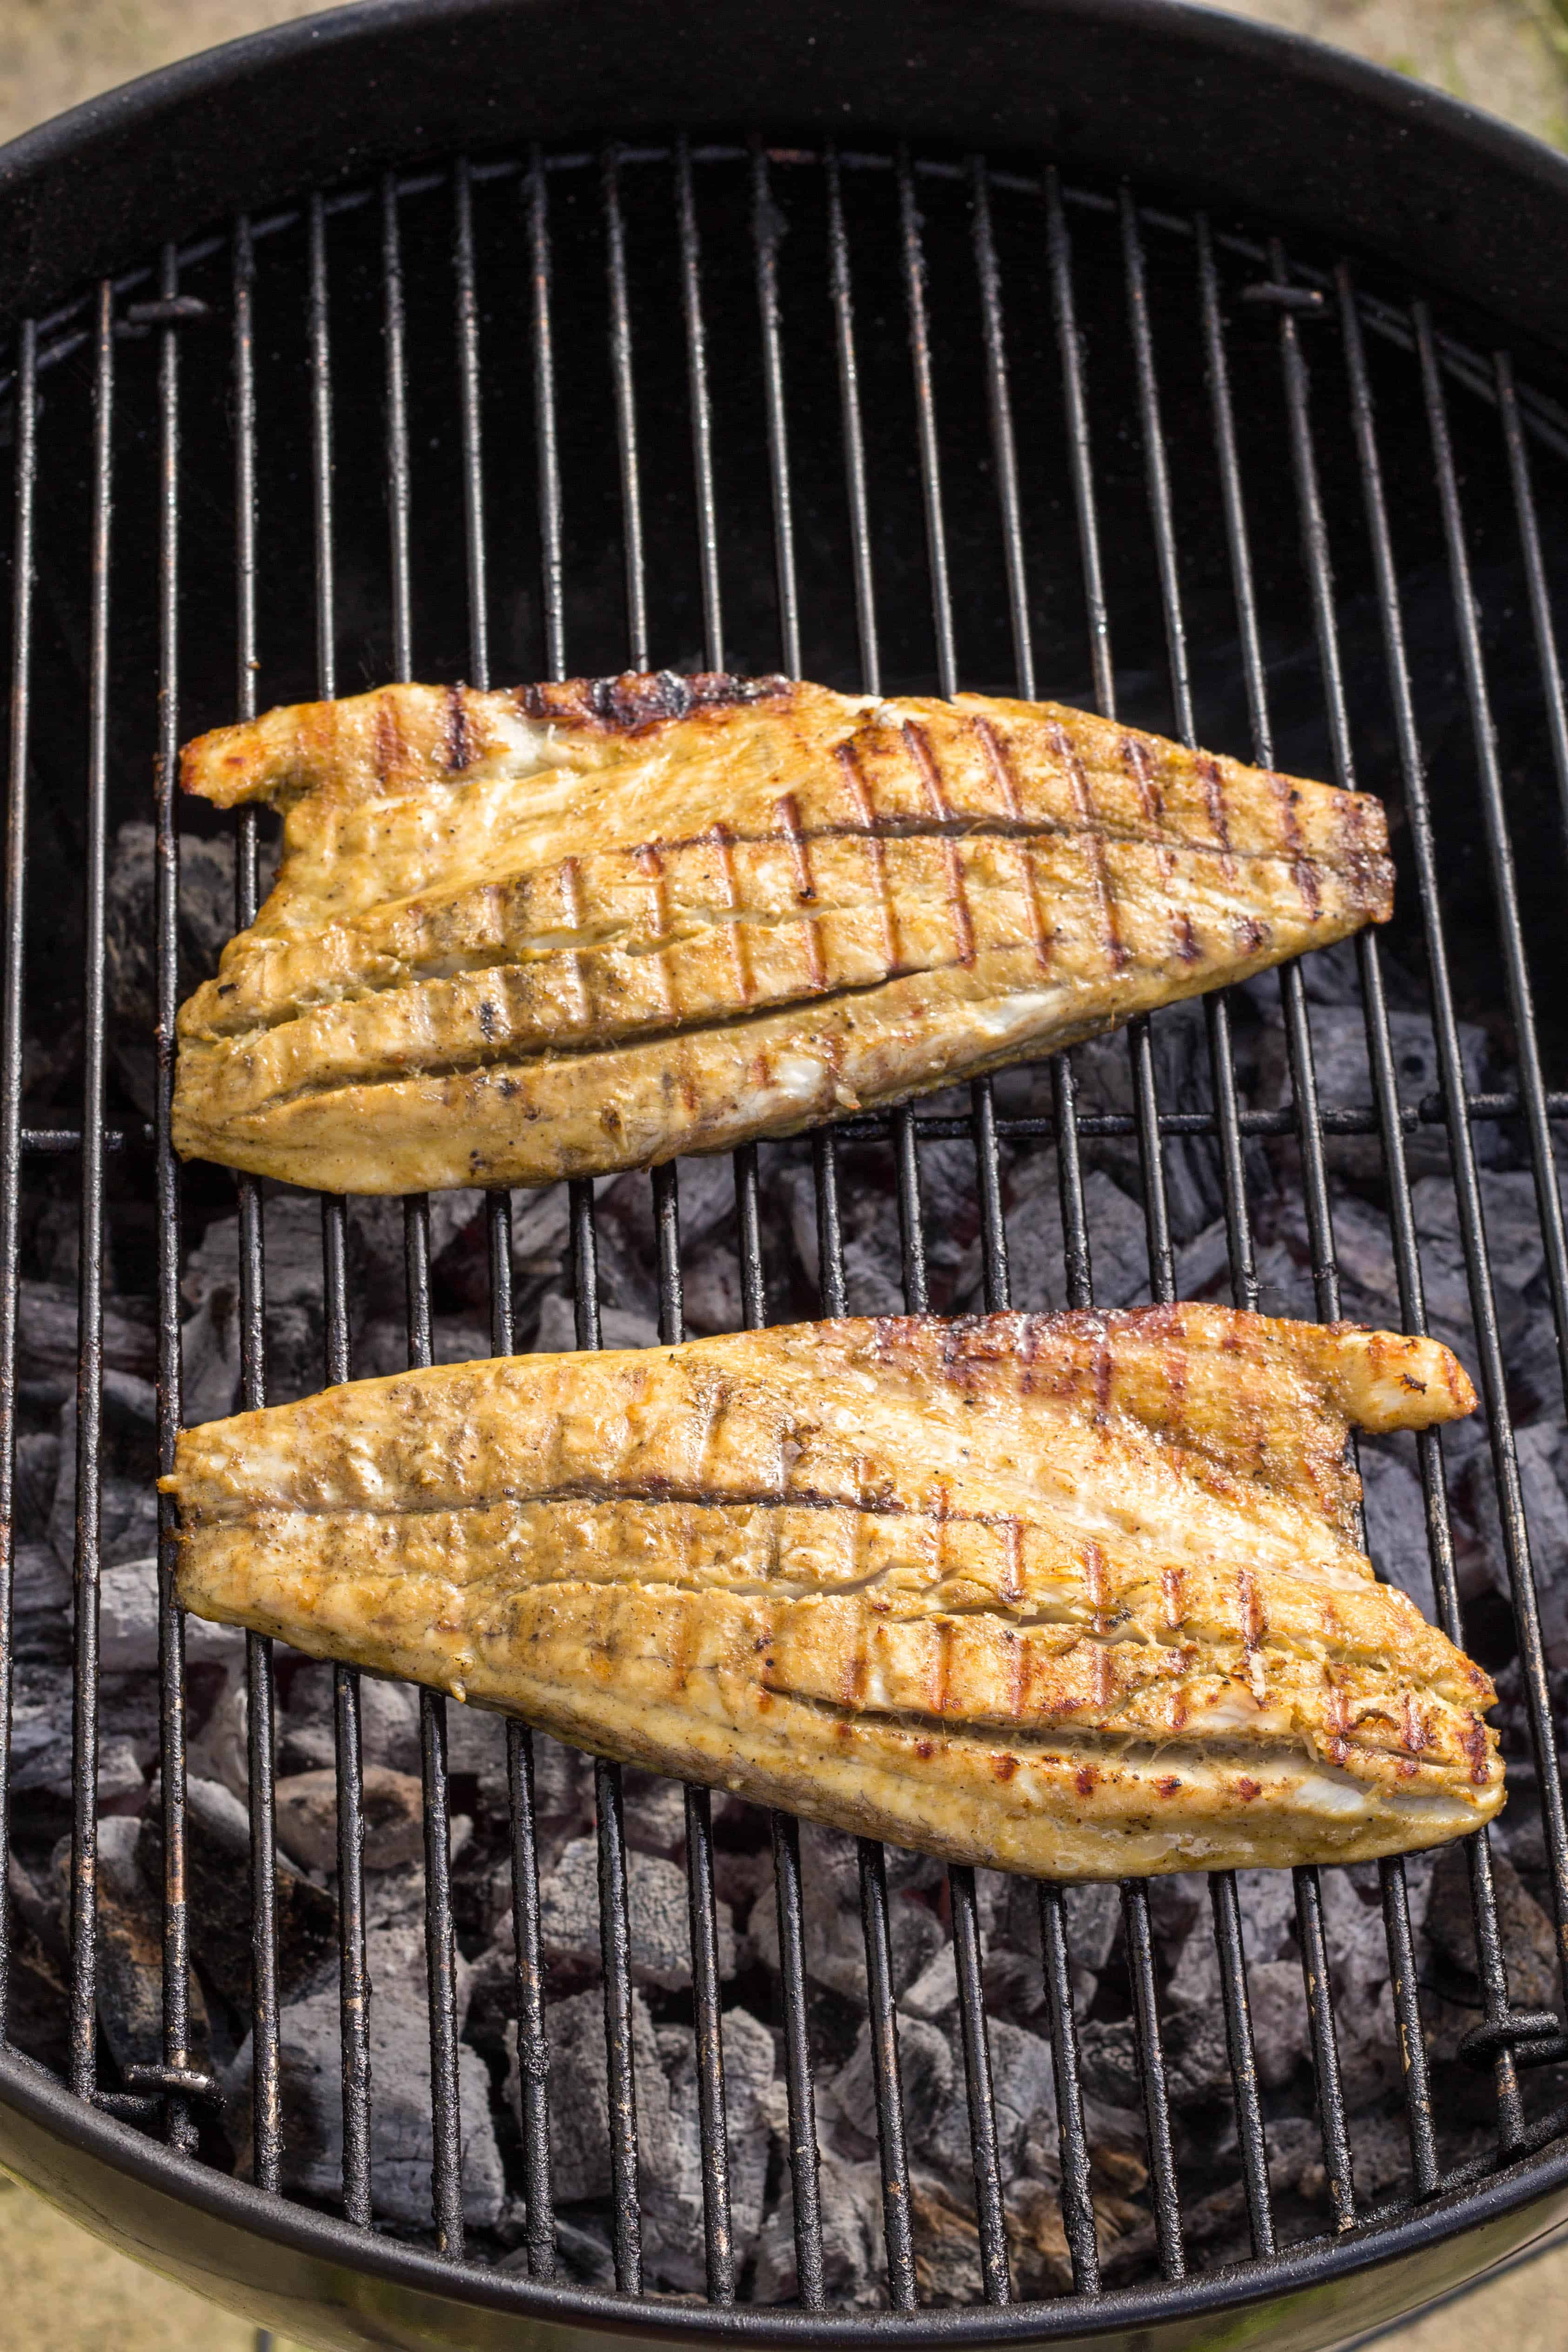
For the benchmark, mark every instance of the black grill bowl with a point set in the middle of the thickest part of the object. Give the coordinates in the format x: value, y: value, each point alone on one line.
x: 1121, y: 353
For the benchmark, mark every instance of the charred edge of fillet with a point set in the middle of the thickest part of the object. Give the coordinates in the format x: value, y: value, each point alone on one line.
x: 642, y: 699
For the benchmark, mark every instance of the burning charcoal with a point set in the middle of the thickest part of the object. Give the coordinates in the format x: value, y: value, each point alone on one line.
x: 835, y: 1940
x: 39, y: 2008
x: 1539, y: 1449
x: 660, y: 1928
x: 927, y: 2067
x: 402, y: 2146
x: 376, y: 1245
x: 556, y: 1333
x: 476, y: 1747
x: 128, y: 1622
x: 217, y: 1830
x: 127, y: 1499
x: 130, y: 1950
x: 1359, y: 1978
x: 1514, y: 1241
x: 671, y: 2182
x: 1118, y: 1237
x: 935, y: 1991
x: 949, y: 1212
x: 1344, y: 1082
x: 37, y: 1471
x: 47, y: 1342
x: 209, y: 1350
x: 710, y: 1287
x: 1036, y: 2242
x: 1180, y: 1046
x: 1525, y: 1930
x: 41, y: 1604
x: 394, y: 1810
x: 585, y: 2247
x: 866, y: 1207
x: 1023, y: 2088
x: 655, y: 1814
x: 389, y: 1723
x: 41, y: 1716
x: 1395, y: 1511
x: 382, y: 1347
x: 852, y: 2242
x: 205, y: 921
x: 628, y: 1247
x: 947, y: 2244
x: 580, y: 2098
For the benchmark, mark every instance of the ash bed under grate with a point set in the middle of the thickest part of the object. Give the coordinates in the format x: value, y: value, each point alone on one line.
x: 904, y: 425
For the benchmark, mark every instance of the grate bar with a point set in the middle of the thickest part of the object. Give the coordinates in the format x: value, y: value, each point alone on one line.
x: 1510, y: 1500
x: 1137, y: 1926
x: 1310, y: 1928
x: 1445, y: 1025
x: 177, y: 2122
x: 266, y: 2092
x: 990, y: 2210
x: 614, y: 1927
x: 1541, y: 621
x: 805, y: 2185
x: 625, y: 411
x: 440, y: 1934
x: 18, y: 754
x: 532, y: 2044
x: 1500, y: 847
x: 767, y: 227
x: 90, y: 1341
x: 1309, y: 1897
x: 883, y: 2023
x: 720, y: 2246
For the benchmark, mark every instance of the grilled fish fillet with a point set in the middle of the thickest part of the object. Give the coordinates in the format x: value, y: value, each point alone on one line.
x: 1079, y: 1595
x: 585, y: 927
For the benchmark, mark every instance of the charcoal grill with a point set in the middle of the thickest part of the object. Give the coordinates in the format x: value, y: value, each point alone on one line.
x: 1013, y: 348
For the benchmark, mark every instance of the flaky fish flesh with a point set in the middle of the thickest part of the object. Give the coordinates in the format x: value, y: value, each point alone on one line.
x: 585, y: 927
x: 1078, y: 1595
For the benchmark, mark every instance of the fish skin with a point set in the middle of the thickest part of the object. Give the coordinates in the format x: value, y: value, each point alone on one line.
x: 568, y: 929
x: 1075, y: 1595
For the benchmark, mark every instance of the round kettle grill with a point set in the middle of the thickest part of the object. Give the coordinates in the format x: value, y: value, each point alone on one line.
x: 1121, y: 353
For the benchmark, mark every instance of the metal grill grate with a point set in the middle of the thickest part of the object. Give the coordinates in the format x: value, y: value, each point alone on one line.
x: 933, y: 442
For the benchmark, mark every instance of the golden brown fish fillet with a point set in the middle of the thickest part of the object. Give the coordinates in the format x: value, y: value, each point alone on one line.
x: 578, y: 927
x: 1077, y: 1594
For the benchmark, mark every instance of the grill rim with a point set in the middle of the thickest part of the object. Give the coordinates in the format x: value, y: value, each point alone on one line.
x: 1118, y: 2315
x: 1125, y: 2308
x: 1307, y: 129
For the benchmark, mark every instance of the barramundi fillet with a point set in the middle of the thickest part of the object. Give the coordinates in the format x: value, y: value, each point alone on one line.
x: 1079, y: 1595
x: 585, y: 927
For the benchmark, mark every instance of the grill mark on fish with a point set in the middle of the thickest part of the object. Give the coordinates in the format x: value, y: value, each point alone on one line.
x: 920, y: 750
x: 457, y: 747
x: 1214, y: 800
x: 1001, y: 771
x: 1301, y: 866
x: 1135, y: 760
x: 387, y: 738
x: 1012, y: 1579
x: 1116, y: 953
x: 435, y: 966
x: 572, y: 901
x: 744, y: 986
x: 651, y: 865
x: 787, y: 809
x: 876, y: 854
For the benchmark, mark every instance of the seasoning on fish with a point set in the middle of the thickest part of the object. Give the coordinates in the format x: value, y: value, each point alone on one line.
x: 585, y: 927
x: 1079, y: 1595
